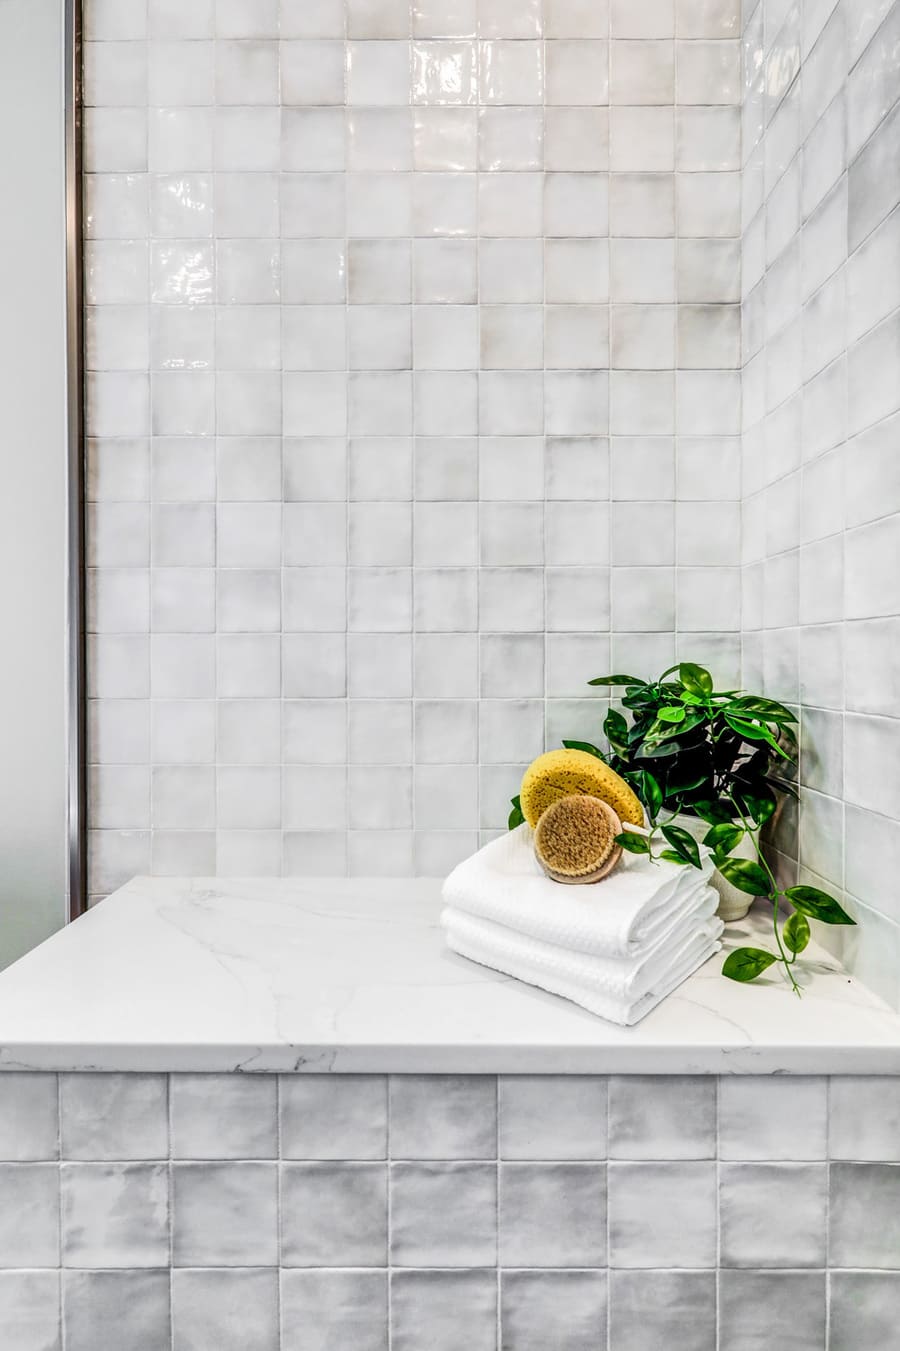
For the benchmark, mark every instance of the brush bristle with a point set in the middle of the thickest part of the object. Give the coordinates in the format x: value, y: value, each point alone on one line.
x: 576, y: 837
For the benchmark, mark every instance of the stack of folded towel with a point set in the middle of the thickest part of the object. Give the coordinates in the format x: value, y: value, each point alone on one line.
x: 617, y: 947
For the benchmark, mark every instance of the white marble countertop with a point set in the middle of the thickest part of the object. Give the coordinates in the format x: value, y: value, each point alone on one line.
x: 335, y: 975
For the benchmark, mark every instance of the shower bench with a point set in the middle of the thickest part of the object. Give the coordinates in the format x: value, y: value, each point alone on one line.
x: 278, y: 1115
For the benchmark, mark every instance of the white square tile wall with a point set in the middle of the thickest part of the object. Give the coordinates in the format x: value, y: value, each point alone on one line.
x: 821, y: 473
x: 413, y: 402
x: 518, y: 1213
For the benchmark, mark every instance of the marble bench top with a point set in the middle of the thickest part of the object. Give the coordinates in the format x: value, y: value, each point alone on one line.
x: 342, y: 975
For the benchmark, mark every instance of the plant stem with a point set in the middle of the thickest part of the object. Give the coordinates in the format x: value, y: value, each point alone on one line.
x: 773, y: 896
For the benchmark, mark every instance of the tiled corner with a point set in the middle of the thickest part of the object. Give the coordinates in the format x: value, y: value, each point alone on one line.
x: 819, y: 323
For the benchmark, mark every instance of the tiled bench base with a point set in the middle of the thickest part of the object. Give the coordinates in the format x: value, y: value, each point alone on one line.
x: 361, y: 1213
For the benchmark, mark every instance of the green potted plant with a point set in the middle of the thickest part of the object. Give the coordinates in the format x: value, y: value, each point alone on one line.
x: 710, y: 768
x: 715, y: 757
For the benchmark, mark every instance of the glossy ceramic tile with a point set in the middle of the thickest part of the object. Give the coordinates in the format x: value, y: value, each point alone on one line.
x: 328, y: 1257
x: 677, y: 1306
x: 552, y: 1215
x: 136, y: 1303
x: 536, y: 1305
x: 29, y: 1118
x: 443, y: 1215
x: 661, y: 1214
x: 318, y: 221
x: 234, y: 1307
x: 327, y: 1308
x: 224, y: 1215
x: 220, y: 1117
x: 442, y: 1307
x: 680, y: 1124
x: 820, y: 311
x: 115, y: 1215
x: 437, y: 1117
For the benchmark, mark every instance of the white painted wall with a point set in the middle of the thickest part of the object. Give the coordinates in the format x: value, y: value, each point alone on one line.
x: 32, y: 476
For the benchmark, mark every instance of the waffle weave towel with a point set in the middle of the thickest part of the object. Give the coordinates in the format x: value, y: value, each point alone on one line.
x: 619, y: 990
x: 630, y: 912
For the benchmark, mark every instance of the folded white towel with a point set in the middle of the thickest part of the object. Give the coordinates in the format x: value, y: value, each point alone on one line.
x: 538, y: 964
x: 626, y: 979
x: 630, y: 911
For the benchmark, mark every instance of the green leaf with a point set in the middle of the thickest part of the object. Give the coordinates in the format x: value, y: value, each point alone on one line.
x: 633, y: 843
x: 760, y: 808
x: 661, y: 731
x: 723, y: 838
x: 616, y: 680
x: 688, y: 785
x: 639, y: 697
x: 656, y: 750
x: 650, y: 794
x: 586, y: 747
x: 818, y: 904
x: 670, y: 670
x: 696, y: 679
x: 516, y: 816
x: 796, y: 932
x: 671, y: 713
x: 747, y: 963
x: 746, y: 876
x: 616, y: 729
x: 713, y: 812
x: 683, y: 844
x: 765, y: 708
x: 754, y: 731
x: 672, y: 857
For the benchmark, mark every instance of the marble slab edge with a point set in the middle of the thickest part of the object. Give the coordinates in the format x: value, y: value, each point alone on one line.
x: 352, y: 976
x: 467, y: 1059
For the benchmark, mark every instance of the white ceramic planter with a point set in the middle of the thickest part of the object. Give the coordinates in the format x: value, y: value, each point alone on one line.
x: 733, y: 903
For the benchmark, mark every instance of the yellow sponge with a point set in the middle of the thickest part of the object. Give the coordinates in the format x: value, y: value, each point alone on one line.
x: 560, y: 773
x: 575, y: 839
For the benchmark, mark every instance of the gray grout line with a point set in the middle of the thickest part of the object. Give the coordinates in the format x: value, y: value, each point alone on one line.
x: 496, y: 1266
